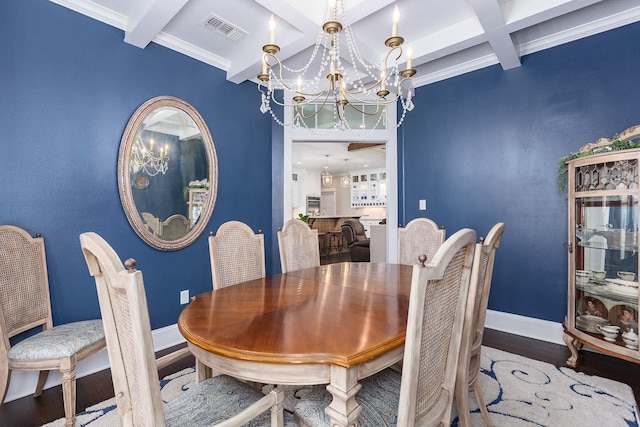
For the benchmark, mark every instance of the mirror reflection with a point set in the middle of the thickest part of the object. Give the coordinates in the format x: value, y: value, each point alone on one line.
x: 167, y: 173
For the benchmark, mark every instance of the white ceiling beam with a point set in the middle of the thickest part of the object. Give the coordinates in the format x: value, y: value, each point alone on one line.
x: 148, y: 18
x: 505, y: 50
x: 455, y: 38
x: 490, y: 15
x: 370, y: 53
x: 520, y: 14
x: 246, y: 65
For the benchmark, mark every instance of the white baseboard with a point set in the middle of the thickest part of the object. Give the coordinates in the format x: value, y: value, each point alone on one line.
x: 23, y: 383
x: 529, y: 327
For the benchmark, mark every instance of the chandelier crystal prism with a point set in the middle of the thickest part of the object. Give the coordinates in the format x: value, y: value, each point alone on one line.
x: 343, y: 80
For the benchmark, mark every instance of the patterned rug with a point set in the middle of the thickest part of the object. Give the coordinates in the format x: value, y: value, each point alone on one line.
x: 518, y: 391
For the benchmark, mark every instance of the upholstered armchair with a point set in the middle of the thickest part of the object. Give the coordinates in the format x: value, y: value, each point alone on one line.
x: 357, y: 240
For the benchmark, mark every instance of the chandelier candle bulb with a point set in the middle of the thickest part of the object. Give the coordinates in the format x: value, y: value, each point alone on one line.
x: 272, y: 30
x: 409, y: 58
x: 396, y: 18
x: 331, y: 14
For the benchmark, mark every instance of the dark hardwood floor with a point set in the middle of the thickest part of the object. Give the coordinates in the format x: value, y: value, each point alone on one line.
x: 33, y: 412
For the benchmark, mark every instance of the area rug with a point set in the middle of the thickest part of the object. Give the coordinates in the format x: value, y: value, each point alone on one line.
x: 518, y: 392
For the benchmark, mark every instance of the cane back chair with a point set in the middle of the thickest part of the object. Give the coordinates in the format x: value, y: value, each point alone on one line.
x: 221, y: 400
x: 298, y: 245
x: 237, y: 254
x: 420, y: 236
x: 469, y: 363
x: 25, y: 305
x: 423, y: 393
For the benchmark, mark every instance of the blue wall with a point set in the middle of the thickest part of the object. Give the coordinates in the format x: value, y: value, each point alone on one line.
x: 484, y: 147
x: 68, y: 86
x: 481, y: 148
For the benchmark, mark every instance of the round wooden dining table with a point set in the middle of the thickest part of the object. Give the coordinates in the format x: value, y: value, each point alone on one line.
x: 332, y: 324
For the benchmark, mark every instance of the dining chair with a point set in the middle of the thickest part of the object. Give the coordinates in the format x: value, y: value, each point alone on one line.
x: 152, y: 222
x: 423, y: 393
x: 420, y: 236
x: 25, y: 305
x: 298, y: 245
x: 133, y: 366
x: 468, y: 377
x: 175, y: 227
x: 237, y: 254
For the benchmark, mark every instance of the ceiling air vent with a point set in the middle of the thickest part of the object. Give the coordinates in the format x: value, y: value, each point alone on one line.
x: 224, y: 28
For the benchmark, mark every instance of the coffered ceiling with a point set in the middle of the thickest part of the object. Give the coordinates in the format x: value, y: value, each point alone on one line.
x: 448, y: 37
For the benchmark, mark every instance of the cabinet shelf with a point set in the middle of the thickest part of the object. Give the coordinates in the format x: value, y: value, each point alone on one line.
x: 612, y: 298
x: 604, y: 246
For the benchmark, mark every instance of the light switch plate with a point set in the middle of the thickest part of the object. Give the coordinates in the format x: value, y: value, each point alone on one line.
x: 184, y: 297
x: 423, y: 205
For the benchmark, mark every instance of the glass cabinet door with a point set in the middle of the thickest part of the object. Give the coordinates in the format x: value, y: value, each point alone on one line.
x: 606, y: 266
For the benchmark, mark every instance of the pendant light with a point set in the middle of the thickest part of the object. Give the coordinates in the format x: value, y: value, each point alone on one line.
x: 346, y: 179
x: 326, y: 177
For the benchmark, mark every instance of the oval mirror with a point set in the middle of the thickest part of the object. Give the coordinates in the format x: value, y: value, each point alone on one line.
x: 167, y: 173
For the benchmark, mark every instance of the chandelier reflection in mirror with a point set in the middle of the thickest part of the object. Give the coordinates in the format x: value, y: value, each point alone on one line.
x: 147, y: 160
x: 356, y: 84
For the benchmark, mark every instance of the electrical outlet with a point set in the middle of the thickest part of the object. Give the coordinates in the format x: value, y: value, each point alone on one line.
x: 184, y: 296
x: 423, y: 205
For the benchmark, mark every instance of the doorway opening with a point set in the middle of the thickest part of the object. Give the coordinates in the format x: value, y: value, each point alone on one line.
x: 315, y: 140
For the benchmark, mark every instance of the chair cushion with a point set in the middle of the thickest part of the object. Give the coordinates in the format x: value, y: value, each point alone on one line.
x: 379, y: 398
x: 58, y: 342
x: 215, y: 400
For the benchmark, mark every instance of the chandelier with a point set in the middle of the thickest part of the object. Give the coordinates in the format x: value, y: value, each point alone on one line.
x: 146, y: 159
x: 325, y: 176
x: 342, y: 80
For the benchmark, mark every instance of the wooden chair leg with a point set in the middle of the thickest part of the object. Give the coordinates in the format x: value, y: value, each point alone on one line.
x: 68, y: 370
x: 5, y: 377
x: 42, y: 379
x: 480, y: 399
x: 462, y: 402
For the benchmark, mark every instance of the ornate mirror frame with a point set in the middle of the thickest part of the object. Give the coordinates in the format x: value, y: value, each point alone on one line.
x: 125, y: 183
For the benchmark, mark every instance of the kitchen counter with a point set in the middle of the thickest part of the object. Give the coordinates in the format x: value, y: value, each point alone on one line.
x: 325, y: 223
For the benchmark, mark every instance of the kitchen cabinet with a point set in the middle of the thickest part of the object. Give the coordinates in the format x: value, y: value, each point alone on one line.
x: 369, y: 188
